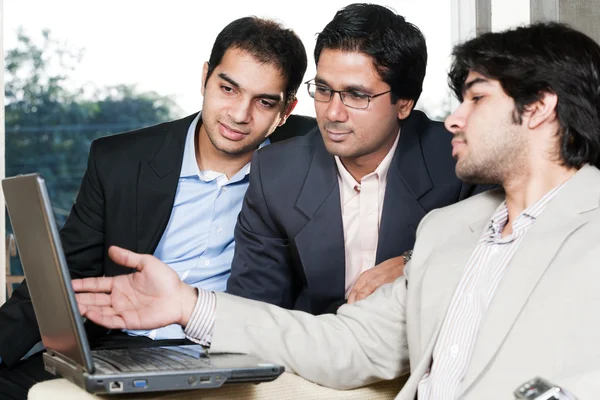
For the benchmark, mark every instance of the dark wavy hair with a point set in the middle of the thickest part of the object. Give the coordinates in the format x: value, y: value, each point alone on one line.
x: 267, y: 41
x: 542, y: 58
x: 397, y: 47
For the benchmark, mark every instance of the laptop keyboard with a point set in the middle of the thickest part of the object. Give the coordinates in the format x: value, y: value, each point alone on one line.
x: 146, y: 360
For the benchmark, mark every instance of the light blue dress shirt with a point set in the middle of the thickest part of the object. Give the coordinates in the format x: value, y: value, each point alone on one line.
x: 198, y: 241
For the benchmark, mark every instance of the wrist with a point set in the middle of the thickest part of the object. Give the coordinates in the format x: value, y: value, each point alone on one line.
x: 188, y: 303
x: 406, y: 256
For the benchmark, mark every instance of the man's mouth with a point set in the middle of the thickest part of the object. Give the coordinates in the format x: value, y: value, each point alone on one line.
x: 231, y: 133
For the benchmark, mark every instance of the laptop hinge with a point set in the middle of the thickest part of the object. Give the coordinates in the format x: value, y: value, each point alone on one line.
x: 65, y: 361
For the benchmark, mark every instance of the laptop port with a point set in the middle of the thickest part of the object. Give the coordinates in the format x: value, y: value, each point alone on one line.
x: 205, y: 379
x: 115, y: 386
x: 140, y: 384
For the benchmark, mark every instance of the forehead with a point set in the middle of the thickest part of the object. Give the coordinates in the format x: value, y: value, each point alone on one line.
x: 476, y: 80
x: 249, y: 73
x: 341, y: 68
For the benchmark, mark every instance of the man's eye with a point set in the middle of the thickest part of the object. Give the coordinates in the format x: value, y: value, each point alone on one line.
x: 227, y: 89
x: 322, y: 90
x: 357, y: 95
x: 266, y: 103
x: 475, y: 99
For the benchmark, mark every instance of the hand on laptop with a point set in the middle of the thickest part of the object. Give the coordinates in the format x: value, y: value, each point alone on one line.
x: 151, y: 297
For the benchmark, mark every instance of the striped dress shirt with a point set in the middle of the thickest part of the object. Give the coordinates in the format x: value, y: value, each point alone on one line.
x: 471, y: 299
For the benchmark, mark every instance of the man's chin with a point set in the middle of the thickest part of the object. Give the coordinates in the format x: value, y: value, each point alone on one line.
x: 338, y: 149
x: 234, y: 147
x: 475, y: 178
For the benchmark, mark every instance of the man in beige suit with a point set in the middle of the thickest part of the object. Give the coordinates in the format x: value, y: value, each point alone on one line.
x: 502, y: 286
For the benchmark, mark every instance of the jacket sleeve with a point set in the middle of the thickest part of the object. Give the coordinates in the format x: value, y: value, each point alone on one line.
x: 83, y: 242
x: 365, y: 342
x: 261, y: 266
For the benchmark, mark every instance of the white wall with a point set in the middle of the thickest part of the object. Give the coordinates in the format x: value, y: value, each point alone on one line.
x: 509, y: 13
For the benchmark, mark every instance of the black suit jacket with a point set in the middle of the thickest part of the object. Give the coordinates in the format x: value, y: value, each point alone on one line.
x: 289, y: 236
x: 125, y: 199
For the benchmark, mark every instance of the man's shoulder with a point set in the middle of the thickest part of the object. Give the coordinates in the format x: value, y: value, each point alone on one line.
x: 291, y: 150
x: 425, y: 127
x: 283, y: 166
x: 296, y: 125
x: 470, y: 210
x: 145, y: 138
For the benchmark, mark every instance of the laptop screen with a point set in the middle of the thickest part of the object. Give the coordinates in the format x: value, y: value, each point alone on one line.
x: 46, y: 271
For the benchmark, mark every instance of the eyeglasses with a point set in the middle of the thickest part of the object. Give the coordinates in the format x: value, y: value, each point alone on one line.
x: 350, y: 98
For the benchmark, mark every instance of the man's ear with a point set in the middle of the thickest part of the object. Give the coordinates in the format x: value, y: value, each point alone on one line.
x: 204, y: 74
x: 405, y: 107
x: 541, y: 111
x: 288, y: 110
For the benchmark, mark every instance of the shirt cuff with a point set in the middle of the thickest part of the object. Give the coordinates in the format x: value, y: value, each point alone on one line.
x: 202, y: 321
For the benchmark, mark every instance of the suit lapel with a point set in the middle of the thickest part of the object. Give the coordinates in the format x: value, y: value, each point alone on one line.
x: 559, y: 220
x: 407, y: 181
x: 157, y: 185
x: 320, y: 243
x: 441, y: 279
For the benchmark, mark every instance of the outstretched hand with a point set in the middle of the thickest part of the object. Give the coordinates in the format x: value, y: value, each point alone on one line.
x: 151, y: 297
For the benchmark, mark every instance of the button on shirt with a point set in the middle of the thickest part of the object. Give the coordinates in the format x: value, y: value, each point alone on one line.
x: 362, y: 204
x: 198, y: 241
x: 484, y: 271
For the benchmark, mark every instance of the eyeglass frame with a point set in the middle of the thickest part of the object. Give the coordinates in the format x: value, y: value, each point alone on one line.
x: 332, y: 92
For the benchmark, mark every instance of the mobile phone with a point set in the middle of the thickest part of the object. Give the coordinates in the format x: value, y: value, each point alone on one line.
x: 540, y: 389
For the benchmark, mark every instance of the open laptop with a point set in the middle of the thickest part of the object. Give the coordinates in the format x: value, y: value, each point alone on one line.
x: 61, y: 326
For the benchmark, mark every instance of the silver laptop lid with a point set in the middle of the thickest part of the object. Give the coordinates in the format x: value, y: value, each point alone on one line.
x: 45, y: 267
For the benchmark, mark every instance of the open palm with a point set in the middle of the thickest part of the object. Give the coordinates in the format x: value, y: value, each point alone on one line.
x: 151, y: 297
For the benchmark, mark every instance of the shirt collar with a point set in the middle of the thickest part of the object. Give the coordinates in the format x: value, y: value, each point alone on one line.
x: 381, y: 171
x: 189, y: 166
x: 500, y: 217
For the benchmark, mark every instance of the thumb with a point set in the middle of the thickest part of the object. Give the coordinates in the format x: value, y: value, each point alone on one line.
x: 128, y: 258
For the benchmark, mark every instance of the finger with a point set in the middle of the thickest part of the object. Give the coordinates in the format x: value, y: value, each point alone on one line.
x: 365, y: 292
x: 93, y: 299
x: 351, y: 297
x: 108, y: 321
x: 360, y: 283
x: 82, y: 309
x: 128, y: 258
x: 102, y: 284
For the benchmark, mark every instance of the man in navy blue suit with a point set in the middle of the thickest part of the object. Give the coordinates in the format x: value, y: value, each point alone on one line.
x: 332, y: 216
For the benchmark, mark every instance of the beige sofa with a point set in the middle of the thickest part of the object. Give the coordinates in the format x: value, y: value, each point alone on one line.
x: 287, y: 386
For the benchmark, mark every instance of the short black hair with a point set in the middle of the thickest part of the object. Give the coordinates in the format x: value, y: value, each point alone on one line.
x: 397, y: 47
x: 268, y: 42
x: 536, y: 59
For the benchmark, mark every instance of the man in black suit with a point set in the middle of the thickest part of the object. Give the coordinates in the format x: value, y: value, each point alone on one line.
x: 332, y: 215
x: 173, y: 190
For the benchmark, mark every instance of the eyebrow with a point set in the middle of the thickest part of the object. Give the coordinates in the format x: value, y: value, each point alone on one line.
x: 269, y: 96
x: 348, y: 88
x: 470, y: 84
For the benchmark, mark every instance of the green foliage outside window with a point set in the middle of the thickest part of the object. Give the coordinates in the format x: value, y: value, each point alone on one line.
x: 50, y: 125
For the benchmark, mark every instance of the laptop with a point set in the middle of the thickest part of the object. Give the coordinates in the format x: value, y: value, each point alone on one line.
x: 68, y: 353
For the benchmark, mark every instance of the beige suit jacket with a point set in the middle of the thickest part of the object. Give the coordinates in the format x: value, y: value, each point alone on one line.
x: 543, y: 320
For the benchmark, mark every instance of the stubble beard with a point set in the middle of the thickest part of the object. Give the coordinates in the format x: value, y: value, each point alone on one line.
x: 498, y: 161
